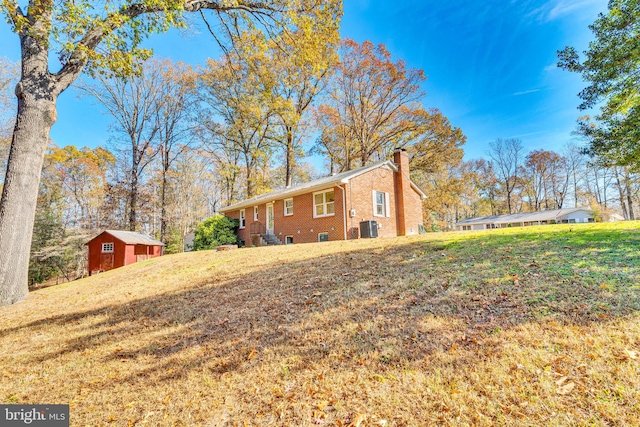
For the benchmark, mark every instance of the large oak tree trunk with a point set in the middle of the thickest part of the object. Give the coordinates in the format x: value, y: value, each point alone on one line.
x: 36, y: 115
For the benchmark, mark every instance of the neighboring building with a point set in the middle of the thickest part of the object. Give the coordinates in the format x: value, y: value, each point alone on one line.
x: 557, y: 216
x: 333, y: 207
x: 114, y: 248
x: 188, y: 242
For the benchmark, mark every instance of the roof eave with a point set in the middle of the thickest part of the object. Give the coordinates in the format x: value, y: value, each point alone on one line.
x: 287, y: 194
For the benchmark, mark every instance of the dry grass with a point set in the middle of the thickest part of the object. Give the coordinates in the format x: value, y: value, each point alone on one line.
x: 533, y: 326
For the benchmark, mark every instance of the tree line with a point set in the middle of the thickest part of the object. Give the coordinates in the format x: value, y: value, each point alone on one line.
x: 511, y: 180
x: 186, y: 140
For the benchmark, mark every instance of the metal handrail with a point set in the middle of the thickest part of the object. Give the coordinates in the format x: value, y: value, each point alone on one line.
x: 257, y: 228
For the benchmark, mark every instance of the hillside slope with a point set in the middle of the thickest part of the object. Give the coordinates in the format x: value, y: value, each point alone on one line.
x: 530, y: 326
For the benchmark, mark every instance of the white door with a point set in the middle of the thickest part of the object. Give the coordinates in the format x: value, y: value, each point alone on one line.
x: 270, y: 218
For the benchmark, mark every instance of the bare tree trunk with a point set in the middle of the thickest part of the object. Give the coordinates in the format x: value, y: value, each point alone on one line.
x: 290, y: 158
x: 133, y: 199
x: 627, y: 185
x: 625, y: 211
x: 163, y: 202
x: 36, y: 114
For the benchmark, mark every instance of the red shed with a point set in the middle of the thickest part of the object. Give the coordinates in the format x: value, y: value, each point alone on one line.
x: 114, y: 248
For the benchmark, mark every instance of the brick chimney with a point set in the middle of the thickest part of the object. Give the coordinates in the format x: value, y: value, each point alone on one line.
x: 403, y: 185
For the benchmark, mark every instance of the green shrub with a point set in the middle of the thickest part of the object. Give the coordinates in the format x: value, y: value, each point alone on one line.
x: 215, y: 231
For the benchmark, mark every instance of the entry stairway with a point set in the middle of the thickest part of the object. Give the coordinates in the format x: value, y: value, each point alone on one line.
x: 261, y: 237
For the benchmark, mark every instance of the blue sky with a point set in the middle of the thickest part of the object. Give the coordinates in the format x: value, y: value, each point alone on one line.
x: 490, y: 65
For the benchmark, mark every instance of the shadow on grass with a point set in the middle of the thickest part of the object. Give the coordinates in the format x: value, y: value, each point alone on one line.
x: 393, y: 305
x: 388, y: 306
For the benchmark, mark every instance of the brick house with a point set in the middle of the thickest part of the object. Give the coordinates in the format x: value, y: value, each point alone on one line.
x: 334, y: 207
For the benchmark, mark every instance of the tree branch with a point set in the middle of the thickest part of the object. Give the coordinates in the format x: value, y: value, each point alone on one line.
x: 95, y: 35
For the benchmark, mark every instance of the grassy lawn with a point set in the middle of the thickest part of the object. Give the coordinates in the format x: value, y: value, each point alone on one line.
x: 523, y: 326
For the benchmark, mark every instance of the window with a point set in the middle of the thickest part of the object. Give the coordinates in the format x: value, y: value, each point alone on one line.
x: 288, y: 240
x: 466, y: 228
x: 323, y: 237
x: 288, y: 207
x: 380, y: 204
x: 242, y: 218
x: 255, y: 213
x: 107, y: 247
x: 323, y: 204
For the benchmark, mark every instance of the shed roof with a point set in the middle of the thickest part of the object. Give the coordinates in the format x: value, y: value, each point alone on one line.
x: 133, y: 238
x: 522, y: 217
x: 318, y: 184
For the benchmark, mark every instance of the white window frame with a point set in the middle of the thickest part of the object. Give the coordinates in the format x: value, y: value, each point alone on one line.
x: 386, y: 208
x: 106, y: 245
x: 255, y: 213
x: 286, y: 211
x: 243, y: 219
x: 324, y: 203
x: 286, y: 240
x: 321, y: 234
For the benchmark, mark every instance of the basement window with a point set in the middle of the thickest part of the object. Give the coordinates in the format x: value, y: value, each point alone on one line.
x: 323, y: 237
x: 107, y: 247
x: 288, y: 240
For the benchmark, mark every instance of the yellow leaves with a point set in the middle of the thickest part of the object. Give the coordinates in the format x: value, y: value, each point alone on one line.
x: 379, y: 378
x: 322, y: 405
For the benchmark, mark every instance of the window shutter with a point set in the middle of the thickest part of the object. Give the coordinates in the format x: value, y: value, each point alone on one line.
x: 387, y: 205
x: 373, y: 202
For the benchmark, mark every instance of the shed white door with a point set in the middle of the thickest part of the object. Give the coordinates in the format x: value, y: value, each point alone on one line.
x: 270, y: 218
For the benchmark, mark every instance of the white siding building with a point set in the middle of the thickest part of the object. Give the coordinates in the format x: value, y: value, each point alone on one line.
x: 558, y: 216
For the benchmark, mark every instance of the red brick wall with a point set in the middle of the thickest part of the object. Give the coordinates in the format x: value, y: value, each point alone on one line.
x: 413, y: 211
x: 360, y: 198
x: 302, y: 226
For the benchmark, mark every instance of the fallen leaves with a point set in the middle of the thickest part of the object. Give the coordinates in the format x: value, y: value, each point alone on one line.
x: 564, y: 386
x: 627, y: 355
x: 633, y: 354
x: 357, y: 421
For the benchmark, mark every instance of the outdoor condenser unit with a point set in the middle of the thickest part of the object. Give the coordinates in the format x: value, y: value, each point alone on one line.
x: 368, y: 229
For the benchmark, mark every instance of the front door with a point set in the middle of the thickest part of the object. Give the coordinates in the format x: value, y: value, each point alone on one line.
x: 270, y: 218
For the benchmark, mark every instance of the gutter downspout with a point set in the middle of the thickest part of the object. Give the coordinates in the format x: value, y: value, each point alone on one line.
x: 344, y: 211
